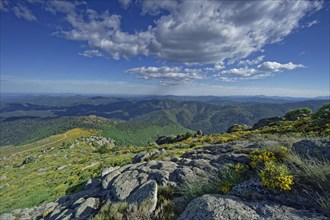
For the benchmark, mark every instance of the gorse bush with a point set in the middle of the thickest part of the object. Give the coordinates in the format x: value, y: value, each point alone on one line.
x: 276, y: 176
x: 273, y: 172
x: 259, y: 158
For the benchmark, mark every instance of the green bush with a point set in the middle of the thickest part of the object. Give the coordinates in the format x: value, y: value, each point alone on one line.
x: 103, y: 149
x: 322, y: 116
x: 295, y: 114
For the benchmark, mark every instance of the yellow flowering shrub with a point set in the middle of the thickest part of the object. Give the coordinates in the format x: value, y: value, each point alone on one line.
x: 226, y: 188
x: 261, y: 157
x: 276, y: 176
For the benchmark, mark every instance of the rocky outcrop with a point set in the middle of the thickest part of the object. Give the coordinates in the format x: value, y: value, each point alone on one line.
x: 237, y: 127
x: 98, y: 141
x: 266, y: 122
x: 227, y: 207
x: 145, y: 196
x: 318, y: 149
x: 138, y: 184
x: 180, y: 137
x: 145, y: 156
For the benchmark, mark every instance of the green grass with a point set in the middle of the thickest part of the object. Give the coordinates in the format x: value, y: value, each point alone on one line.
x: 139, y: 134
x: 56, y: 171
x: 312, y: 175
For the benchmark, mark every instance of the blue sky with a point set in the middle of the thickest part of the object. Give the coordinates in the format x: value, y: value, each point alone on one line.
x: 165, y: 47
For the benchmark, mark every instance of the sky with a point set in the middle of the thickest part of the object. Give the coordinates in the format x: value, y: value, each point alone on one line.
x: 220, y: 48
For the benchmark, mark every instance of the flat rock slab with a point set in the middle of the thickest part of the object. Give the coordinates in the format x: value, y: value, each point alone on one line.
x: 224, y: 207
x: 145, y: 197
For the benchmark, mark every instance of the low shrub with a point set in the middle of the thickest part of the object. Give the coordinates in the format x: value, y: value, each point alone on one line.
x: 276, y: 176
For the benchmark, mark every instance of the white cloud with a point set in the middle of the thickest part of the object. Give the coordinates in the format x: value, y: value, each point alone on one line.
x: 312, y: 23
x: 277, y: 67
x: 92, y: 53
x: 177, y: 75
x: 62, y: 6
x: 125, y: 3
x: 190, y: 32
x: 22, y: 11
x: 167, y: 75
x: 240, y: 71
x: 185, y: 32
x: 156, y: 7
x: 251, y: 62
x: 264, y: 70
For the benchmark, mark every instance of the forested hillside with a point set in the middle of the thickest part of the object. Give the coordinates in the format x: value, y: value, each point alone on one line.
x: 130, y: 120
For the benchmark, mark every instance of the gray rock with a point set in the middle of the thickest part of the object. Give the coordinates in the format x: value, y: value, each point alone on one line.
x: 145, y: 197
x: 160, y: 176
x: 7, y: 216
x: 230, y: 207
x: 217, y: 207
x: 64, y: 214
x: 164, y: 165
x: 145, y: 156
x: 49, y: 208
x: 319, y: 149
x: 266, y: 122
x: 251, y: 189
x: 126, y: 183
x: 93, y: 183
x: 87, y: 208
x: 237, y: 127
x: 186, y: 174
x: 107, y: 181
x: 108, y: 170
x: 240, y: 158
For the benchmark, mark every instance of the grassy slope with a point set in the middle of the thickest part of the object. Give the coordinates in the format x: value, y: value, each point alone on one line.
x: 134, y: 133
x: 55, y: 170
x: 58, y: 169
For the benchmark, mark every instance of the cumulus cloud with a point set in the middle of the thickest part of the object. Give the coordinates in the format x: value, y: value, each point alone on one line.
x: 167, y: 75
x: 266, y: 69
x: 209, y: 34
x: 189, y: 32
x: 240, y: 71
x: 177, y: 74
x: 251, y: 62
x: 22, y: 11
x: 277, y: 67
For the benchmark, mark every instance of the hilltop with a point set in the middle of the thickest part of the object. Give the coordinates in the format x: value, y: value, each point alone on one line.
x: 261, y: 172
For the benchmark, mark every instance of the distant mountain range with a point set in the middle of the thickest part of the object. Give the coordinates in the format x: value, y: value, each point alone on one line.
x: 137, y: 114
